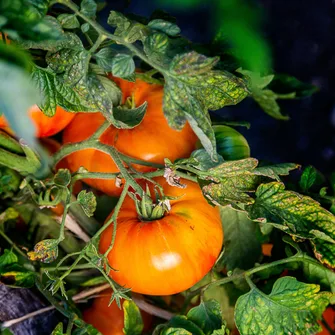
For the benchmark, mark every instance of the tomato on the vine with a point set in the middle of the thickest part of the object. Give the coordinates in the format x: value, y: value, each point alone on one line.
x: 170, y: 254
x: 109, y: 320
x: 152, y: 140
x: 45, y: 126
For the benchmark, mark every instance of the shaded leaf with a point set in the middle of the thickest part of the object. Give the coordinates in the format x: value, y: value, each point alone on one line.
x: 68, y: 21
x: 126, y: 118
x: 207, y: 316
x: 242, y: 249
x: 291, y: 305
x: 308, y: 178
x: 104, y: 58
x: 85, y: 28
x: 297, y: 214
x: 87, y: 201
x: 88, y: 8
x: 155, y: 46
x: 202, y: 161
x: 133, y: 323
x: 123, y: 65
x: 274, y: 171
x: 166, y: 27
x: 181, y: 321
x: 62, y: 177
x: 7, y: 258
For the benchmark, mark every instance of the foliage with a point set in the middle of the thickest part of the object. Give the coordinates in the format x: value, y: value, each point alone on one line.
x: 55, y: 53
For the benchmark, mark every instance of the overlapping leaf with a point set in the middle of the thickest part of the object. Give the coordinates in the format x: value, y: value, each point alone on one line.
x: 298, y: 215
x: 291, y: 307
x: 192, y: 87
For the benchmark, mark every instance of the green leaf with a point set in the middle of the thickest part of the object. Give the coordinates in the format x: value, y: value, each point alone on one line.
x: 175, y: 331
x: 56, y: 93
x: 257, y: 81
x: 58, y: 330
x: 105, y: 58
x: 133, y: 323
x: 123, y: 65
x: 87, y: 201
x: 297, y: 215
x: 126, y: 118
x: 223, y: 331
x: 155, y: 47
x: 181, y: 322
x: 207, y: 316
x: 308, y: 178
x: 283, y: 83
x: 267, y: 100
x: 291, y: 306
x: 88, y: 8
x: 166, y: 27
x: 127, y: 29
x: 242, y: 249
x: 201, y: 160
x: 87, y: 330
x: 7, y: 258
x: 14, y: 83
x: 68, y: 21
x: 274, y: 171
x: 191, y: 88
x: 6, y: 331
x: 85, y: 27
x: 62, y: 177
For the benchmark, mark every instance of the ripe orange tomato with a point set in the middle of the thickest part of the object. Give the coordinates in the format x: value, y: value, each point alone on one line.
x: 329, y: 316
x: 109, y: 320
x: 45, y: 125
x: 168, y: 255
x: 152, y: 140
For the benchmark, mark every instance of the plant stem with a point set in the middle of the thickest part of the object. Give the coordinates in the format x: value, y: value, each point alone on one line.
x: 113, y: 218
x: 62, y: 225
x: 64, y: 268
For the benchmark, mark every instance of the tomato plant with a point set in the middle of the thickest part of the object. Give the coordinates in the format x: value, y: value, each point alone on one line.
x: 151, y: 141
x: 174, y: 204
x: 165, y: 248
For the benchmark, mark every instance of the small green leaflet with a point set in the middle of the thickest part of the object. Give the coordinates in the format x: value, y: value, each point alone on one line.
x: 58, y: 329
x: 133, y: 323
x: 129, y: 118
x: 166, y: 27
x: 88, y: 8
x: 62, y: 177
x: 68, y: 21
x: 242, y: 249
x: 88, y: 202
x: 297, y: 215
x: 123, y: 66
x: 308, y: 178
x: 105, y: 58
x: 291, y: 305
x: 266, y: 98
x: 192, y: 87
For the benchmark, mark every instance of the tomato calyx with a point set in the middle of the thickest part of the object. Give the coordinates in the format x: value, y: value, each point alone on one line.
x: 149, y: 209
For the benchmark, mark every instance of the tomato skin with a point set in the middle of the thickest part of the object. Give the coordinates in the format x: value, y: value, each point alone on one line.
x: 109, y: 320
x: 152, y: 140
x: 329, y: 316
x: 168, y: 255
x: 45, y: 126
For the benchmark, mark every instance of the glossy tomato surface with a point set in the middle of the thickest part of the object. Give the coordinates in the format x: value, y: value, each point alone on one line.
x: 109, y: 320
x: 168, y: 255
x: 46, y: 126
x: 152, y: 140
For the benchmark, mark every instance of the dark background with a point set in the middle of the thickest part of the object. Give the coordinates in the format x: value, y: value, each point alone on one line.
x: 301, y: 36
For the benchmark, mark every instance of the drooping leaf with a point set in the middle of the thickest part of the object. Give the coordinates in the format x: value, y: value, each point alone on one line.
x: 126, y: 118
x: 202, y: 161
x: 192, y: 87
x: 274, y: 171
x: 207, y: 316
x: 166, y: 27
x: 133, y: 323
x: 181, y: 321
x: 292, y: 306
x: 298, y: 216
x: 87, y: 201
x: 242, y: 249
